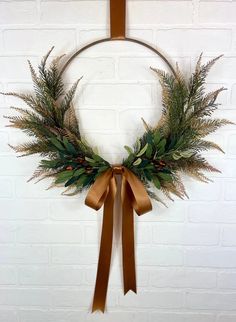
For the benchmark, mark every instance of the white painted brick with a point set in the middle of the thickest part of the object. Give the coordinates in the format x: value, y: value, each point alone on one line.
x: 91, y: 119
x: 226, y: 318
x: 202, y: 191
x: 13, y: 166
x: 159, y: 299
x: 43, y: 315
x: 24, y: 297
x: 6, y: 187
x: 50, y: 275
x: 181, y: 317
x: 230, y: 187
x: 229, y: 236
x: 91, y: 68
x: 74, y: 254
x: 221, y: 12
x: 73, y: 209
x: 189, y: 234
x: 49, y: 233
x: 211, y: 301
x: 66, y: 297
x: 23, y: 254
x: 192, y: 40
x: 116, y: 316
x: 138, y: 68
x: 182, y: 278
x: 23, y: 209
x: 8, y: 275
x: 231, y: 148
x: 211, y: 257
x: 132, y: 95
x: 2, y: 97
x: 9, y: 70
x: 224, y: 69
x: 8, y: 315
x: 212, y: 212
x: 164, y: 256
x: 160, y: 12
x: 8, y: 233
x: 74, y: 12
x: 39, y: 41
x: 149, y: 115
x: 233, y: 95
x: 227, y: 280
x: 14, y: 12
x: 4, y: 140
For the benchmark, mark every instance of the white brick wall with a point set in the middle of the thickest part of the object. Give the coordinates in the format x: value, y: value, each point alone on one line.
x: 186, y: 254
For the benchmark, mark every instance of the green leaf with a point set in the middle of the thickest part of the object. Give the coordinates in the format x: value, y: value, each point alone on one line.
x: 149, y: 151
x: 129, y: 149
x: 137, y: 162
x: 64, y: 175
x: 176, y: 156
x: 165, y: 176
x: 69, y: 147
x: 161, y: 146
x: 156, y: 182
x: 97, y: 157
x: 71, y: 181
x: 79, y: 172
x: 142, y: 151
x: 49, y: 163
x: 90, y: 160
x: 57, y: 144
x: 186, y: 154
x: 138, y: 145
x: 157, y: 137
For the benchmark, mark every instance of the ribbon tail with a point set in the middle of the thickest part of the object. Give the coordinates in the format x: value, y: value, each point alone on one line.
x: 128, y: 252
x: 103, y: 270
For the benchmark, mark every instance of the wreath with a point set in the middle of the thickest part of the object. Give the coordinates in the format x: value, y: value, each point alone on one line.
x: 173, y: 146
x: 158, y: 158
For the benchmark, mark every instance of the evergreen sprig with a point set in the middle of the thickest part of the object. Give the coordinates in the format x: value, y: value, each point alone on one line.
x: 159, y: 156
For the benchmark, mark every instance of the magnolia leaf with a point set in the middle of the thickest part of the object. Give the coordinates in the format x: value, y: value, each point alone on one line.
x: 137, y: 162
x: 156, y: 182
x: 142, y: 151
x: 128, y: 149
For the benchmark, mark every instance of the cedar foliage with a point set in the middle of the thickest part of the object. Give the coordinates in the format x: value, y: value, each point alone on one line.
x: 159, y: 157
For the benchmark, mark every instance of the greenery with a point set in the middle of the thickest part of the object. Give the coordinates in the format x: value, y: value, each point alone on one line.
x: 159, y: 157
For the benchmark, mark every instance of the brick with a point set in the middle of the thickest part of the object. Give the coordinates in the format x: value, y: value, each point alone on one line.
x: 74, y: 12
x: 15, y: 68
x: 24, y: 297
x: 201, y: 191
x: 13, y: 166
x: 224, y: 69
x: 132, y: 95
x: 211, y: 257
x: 8, y: 315
x: 4, y: 140
x: 59, y: 315
x: 230, y: 187
x: 22, y: 209
x: 190, y: 40
x: 233, y: 95
x: 151, y: 116
x: 91, y: 68
x: 212, y: 212
x: 39, y: 41
x: 65, y: 297
x: 6, y: 187
x: 227, y: 280
x: 181, y: 317
x: 92, y: 119
x: 18, y: 12
x: 23, y: 254
x: 117, y: 316
x: 74, y: 254
x: 188, y: 234
x: 8, y: 232
x: 160, y: 12
x: 211, y: 301
x: 229, y: 236
x: 50, y: 276
x: 164, y: 256
x: 226, y: 318
x: 182, y: 278
x: 49, y: 233
x: 221, y: 12
x: 8, y: 275
x: 160, y: 299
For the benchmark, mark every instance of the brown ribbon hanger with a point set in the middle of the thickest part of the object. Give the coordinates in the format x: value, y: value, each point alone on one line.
x: 104, y: 190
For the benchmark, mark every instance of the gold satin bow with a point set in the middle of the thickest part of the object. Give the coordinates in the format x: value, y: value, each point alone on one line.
x: 133, y: 196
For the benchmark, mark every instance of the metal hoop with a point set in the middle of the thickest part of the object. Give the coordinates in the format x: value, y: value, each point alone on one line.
x: 156, y: 51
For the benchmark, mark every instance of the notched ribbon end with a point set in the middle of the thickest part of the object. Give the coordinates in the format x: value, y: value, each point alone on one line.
x: 130, y: 289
